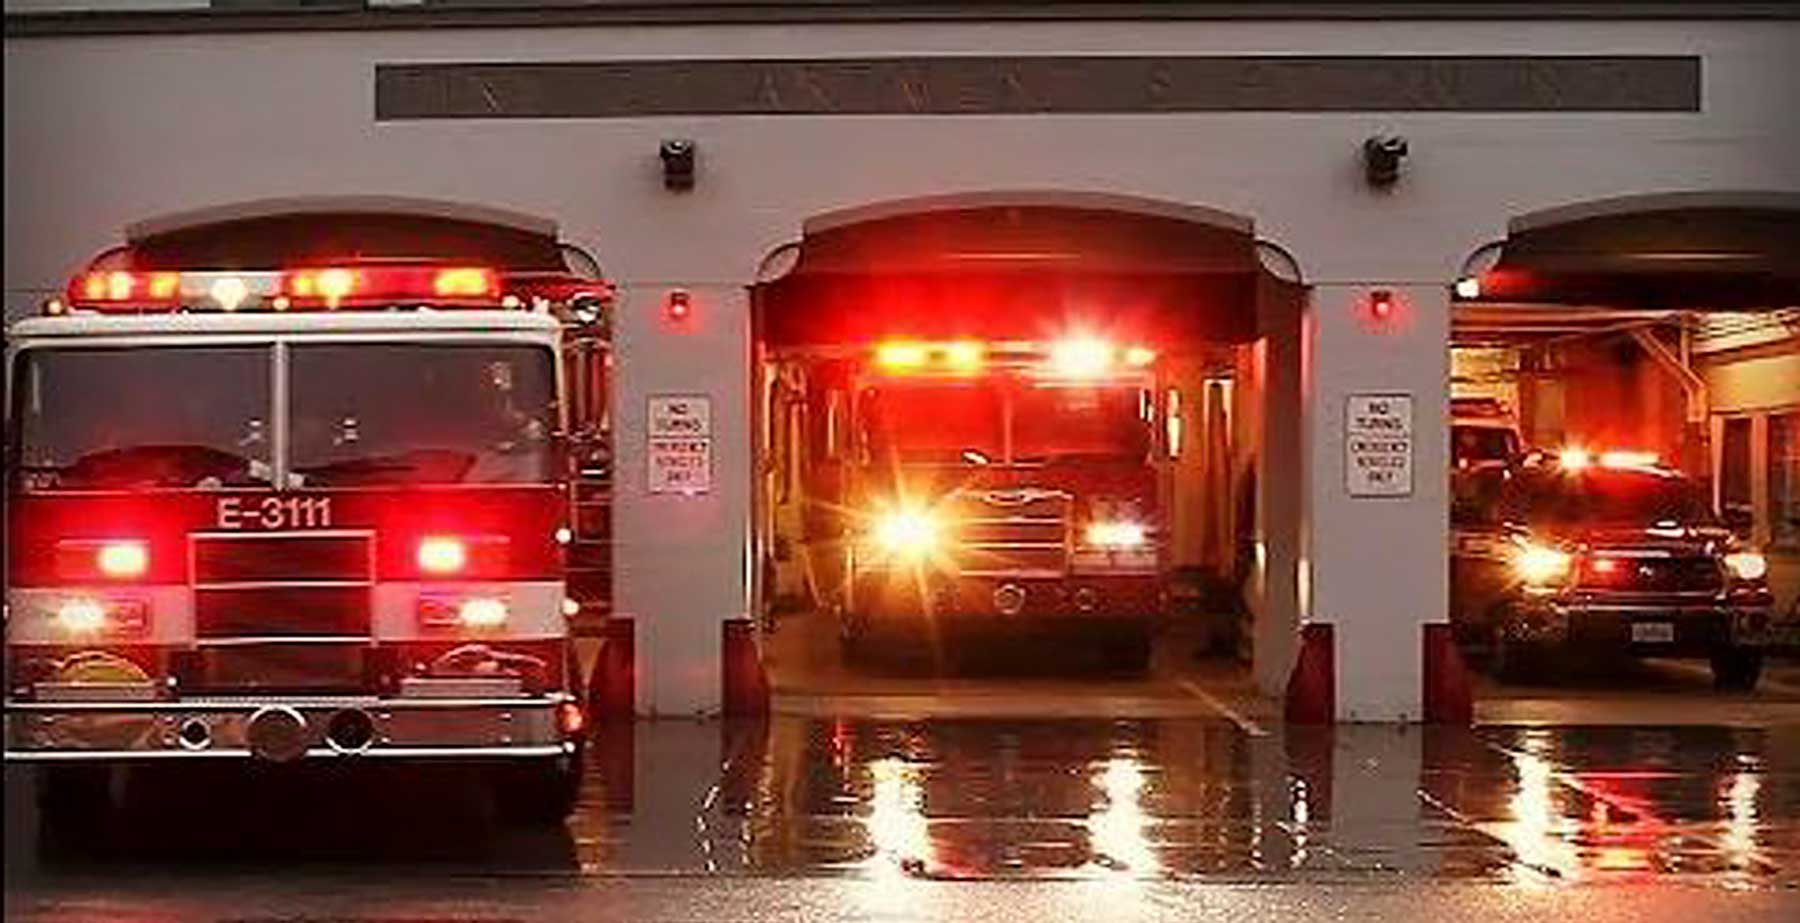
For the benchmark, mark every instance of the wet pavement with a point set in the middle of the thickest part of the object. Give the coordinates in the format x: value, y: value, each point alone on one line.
x: 1091, y: 800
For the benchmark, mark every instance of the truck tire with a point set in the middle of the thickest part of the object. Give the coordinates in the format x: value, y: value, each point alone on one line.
x: 1737, y: 669
x: 1127, y: 650
x: 541, y: 793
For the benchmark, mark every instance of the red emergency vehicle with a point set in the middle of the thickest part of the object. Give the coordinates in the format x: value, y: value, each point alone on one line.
x: 293, y: 482
x: 971, y: 414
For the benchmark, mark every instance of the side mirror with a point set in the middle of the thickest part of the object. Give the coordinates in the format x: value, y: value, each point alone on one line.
x: 587, y: 450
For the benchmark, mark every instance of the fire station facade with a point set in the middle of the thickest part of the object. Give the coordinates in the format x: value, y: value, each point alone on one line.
x: 1368, y: 157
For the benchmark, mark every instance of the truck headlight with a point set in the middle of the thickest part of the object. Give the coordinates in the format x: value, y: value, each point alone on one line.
x: 1121, y: 534
x: 87, y: 616
x: 906, y: 532
x: 1747, y: 565
x: 1539, y: 565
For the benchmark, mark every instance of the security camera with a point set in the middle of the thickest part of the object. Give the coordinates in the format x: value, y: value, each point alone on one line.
x: 678, y: 163
x: 1381, y: 159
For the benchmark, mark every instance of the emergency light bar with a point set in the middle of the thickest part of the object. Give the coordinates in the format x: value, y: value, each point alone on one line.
x: 1077, y: 357
x: 307, y: 288
x: 1575, y: 458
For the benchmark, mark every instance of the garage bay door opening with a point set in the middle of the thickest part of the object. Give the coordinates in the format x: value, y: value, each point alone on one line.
x: 1625, y: 413
x: 1007, y: 444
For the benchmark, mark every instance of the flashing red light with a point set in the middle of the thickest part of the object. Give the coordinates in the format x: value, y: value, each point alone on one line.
x: 336, y: 286
x: 680, y: 306
x: 465, y: 282
x: 311, y: 287
x: 121, y: 287
x: 1381, y: 306
x: 1082, y: 357
x: 442, y: 554
x: 901, y: 355
x: 465, y: 557
x: 102, y: 559
x: 123, y: 560
x: 965, y: 355
x: 1628, y: 459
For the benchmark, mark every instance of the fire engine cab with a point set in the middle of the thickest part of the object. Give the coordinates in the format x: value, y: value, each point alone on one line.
x: 292, y: 482
x: 972, y: 417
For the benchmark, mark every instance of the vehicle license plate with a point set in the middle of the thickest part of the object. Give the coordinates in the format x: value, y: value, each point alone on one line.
x: 1652, y: 632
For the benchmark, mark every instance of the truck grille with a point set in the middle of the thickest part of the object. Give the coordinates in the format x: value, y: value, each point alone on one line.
x: 1011, y: 532
x: 1623, y: 573
x: 297, y: 584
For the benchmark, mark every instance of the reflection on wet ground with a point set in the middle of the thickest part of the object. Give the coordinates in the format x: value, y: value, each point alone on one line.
x: 953, y: 799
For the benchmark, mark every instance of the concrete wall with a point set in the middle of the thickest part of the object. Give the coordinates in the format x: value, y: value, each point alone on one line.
x: 102, y: 131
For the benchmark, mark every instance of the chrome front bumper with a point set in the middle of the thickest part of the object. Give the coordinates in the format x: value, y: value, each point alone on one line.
x: 411, y: 728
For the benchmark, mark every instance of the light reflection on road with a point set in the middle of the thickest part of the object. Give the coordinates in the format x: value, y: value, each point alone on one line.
x: 1111, y: 800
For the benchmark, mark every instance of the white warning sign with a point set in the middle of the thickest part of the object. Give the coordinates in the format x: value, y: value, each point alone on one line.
x: 1378, y: 445
x: 680, y: 434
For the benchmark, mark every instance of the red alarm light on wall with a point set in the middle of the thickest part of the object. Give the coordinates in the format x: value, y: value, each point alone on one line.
x: 1381, y: 311
x: 679, y: 306
x: 1381, y: 305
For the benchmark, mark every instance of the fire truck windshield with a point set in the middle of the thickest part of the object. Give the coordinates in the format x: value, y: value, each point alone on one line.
x: 966, y: 423
x: 921, y: 422
x: 358, y: 414
x: 379, y: 413
x: 1064, y: 422
x: 88, y: 419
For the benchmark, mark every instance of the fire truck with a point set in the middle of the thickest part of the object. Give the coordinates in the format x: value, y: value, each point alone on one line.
x: 301, y: 481
x: 972, y: 418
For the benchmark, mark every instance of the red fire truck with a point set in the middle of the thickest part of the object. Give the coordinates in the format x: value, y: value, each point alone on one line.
x: 292, y: 482
x: 971, y: 416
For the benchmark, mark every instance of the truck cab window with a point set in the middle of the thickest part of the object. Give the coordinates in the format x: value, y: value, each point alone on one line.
x: 124, y: 419
x: 423, y: 414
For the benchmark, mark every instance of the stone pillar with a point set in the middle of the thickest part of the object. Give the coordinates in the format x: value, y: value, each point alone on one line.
x: 679, y: 558
x: 1376, y: 567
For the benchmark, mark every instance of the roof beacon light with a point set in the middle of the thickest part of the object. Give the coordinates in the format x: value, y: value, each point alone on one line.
x: 1082, y: 357
x: 901, y: 356
x: 229, y: 292
x: 465, y: 282
x: 1628, y: 459
x: 338, y: 286
x: 965, y: 355
x: 1574, y: 459
x: 119, y: 287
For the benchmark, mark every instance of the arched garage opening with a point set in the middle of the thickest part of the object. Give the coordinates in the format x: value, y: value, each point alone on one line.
x: 1659, y: 332
x: 992, y: 427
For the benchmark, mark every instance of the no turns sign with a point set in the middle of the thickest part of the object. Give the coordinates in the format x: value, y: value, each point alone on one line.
x: 680, y: 444
x: 1378, y: 445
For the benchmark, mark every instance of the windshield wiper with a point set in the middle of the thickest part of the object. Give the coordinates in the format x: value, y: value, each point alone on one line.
x: 419, y: 465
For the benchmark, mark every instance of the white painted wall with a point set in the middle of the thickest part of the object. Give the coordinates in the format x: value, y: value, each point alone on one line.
x: 107, y: 130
